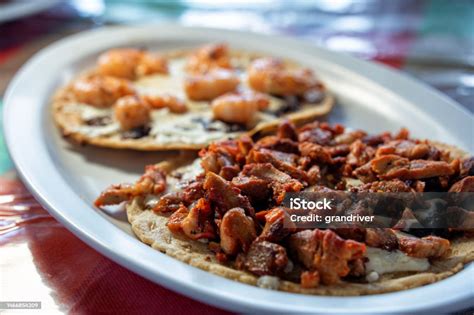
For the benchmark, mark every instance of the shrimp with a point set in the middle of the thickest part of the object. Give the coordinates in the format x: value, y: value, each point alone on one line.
x: 238, y: 108
x: 208, y: 57
x: 151, y: 64
x: 100, y: 91
x: 131, y: 112
x: 172, y: 102
x: 129, y: 63
x: 205, y: 87
x: 273, y: 76
x: 119, y: 63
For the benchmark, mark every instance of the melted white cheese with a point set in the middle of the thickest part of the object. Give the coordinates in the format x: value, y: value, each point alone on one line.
x: 382, y: 261
x: 268, y: 282
x: 86, y: 111
x: 97, y: 131
x: 169, y: 127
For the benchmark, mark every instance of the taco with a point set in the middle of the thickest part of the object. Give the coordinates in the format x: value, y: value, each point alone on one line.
x: 224, y: 212
x: 186, y: 99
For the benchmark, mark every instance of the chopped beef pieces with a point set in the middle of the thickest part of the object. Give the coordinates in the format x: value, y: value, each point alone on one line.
x: 220, y: 163
x: 169, y: 202
x: 152, y: 182
x: 393, y: 166
x: 279, y: 182
x: 365, y: 173
x: 265, y: 258
x: 374, y: 140
x: 359, y: 154
x: 325, y: 252
x: 339, y: 150
x: 375, y: 237
x: 199, y: 221
x: 315, y: 152
x: 467, y: 167
x: 274, y: 229
x: 353, y: 233
x: 350, y: 137
x: 224, y: 195
x: 237, y: 231
x: 277, y: 144
x: 310, y: 279
x: 174, y: 221
x: 381, y: 238
x: 464, y: 185
x: 287, y: 130
x: 239, y: 176
x: 426, y: 247
x: 193, y: 191
x: 224, y: 157
x: 256, y: 189
x: 285, y: 162
x: 316, y: 135
x: 115, y: 194
x: 394, y: 185
x: 405, y: 148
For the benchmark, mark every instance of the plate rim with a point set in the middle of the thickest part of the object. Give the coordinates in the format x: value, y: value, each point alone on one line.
x: 211, y: 295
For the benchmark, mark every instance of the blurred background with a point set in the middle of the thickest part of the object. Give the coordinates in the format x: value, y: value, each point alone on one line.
x: 432, y: 40
x: 429, y: 39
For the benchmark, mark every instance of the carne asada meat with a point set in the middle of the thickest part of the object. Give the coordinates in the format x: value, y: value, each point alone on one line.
x: 235, y: 203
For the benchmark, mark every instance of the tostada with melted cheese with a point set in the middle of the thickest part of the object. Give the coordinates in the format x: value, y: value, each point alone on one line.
x: 185, y: 99
x: 224, y: 212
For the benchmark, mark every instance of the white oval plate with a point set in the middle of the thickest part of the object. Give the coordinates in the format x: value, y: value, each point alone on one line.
x: 66, y: 178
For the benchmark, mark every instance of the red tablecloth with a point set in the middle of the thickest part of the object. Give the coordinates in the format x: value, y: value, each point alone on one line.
x: 77, y: 279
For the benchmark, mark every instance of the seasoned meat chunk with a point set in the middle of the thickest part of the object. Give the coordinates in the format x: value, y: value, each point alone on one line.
x: 467, y: 167
x: 394, y: 185
x: 265, y: 258
x: 426, y: 247
x: 278, y: 144
x: 315, y: 152
x: 405, y: 148
x: 325, y: 252
x: 237, y: 231
x: 153, y: 181
x: 199, y: 221
x: 169, y: 202
x: 352, y: 233
x: 285, y: 162
x: 287, y: 130
x: 274, y: 229
x: 359, y: 154
x: 381, y: 238
x: 314, y: 134
x: 310, y: 279
x: 349, y: 137
x: 365, y: 173
x: 224, y: 195
x: 393, y: 166
x: 464, y: 185
x: 221, y: 159
x: 256, y: 189
x: 280, y: 182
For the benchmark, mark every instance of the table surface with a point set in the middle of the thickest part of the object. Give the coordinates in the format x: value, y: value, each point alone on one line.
x: 42, y: 261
